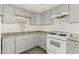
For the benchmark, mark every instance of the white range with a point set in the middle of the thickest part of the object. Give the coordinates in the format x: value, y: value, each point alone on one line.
x: 57, y: 42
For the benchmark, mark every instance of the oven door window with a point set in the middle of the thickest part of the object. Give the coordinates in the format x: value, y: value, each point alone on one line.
x: 56, y: 44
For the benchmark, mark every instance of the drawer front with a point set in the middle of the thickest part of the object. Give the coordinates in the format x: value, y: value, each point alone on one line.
x: 73, y: 44
x: 72, y: 50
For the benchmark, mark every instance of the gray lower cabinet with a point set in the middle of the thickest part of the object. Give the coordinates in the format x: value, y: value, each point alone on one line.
x: 74, y: 13
x: 41, y: 40
x: 8, y: 45
x: 24, y: 43
x: 20, y: 45
x: 29, y: 42
x: 35, y: 40
x: 43, y: 43
x: 73, y: 47
x: 8, y: 14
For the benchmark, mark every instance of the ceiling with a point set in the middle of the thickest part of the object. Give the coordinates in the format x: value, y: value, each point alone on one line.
x: 38, y: 8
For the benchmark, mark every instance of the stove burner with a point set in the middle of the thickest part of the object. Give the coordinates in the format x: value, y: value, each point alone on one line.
x: 62, y: 34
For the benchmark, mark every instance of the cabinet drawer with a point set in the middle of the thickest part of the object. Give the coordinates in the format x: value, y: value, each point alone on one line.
x: 73, y: 44
x: 72, y: 50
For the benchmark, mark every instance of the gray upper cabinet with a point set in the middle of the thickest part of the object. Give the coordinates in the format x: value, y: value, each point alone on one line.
x: 55, y: 11
x: 63, y: 8
x: 1, y: 10
x: 42, y: 18
x: 27, y: 14
x: 38, y: 19
x: 8, y: 14
x: 33, y: 19
x: 74, y: 13
x: 19, y: 12
x: 48, y: 20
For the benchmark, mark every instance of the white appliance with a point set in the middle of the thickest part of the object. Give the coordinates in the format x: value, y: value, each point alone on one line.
x: 56, y: 42
x: 0, y: 34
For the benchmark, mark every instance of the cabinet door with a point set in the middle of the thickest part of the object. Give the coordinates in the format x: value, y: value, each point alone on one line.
x: 55, y: 11
x: 19, y: 12
x: 43, y: 42
x: 1, y: 9
x: 38, y: 19
x: 35, y: 40
x: 33, y: 19
x: 63, y: 8
x: 48, y: 20
x: 29, y: 43
x: 38, y: 39
x: 27, y: 14
x: 8, y: 46
x: 43, y: 18
x: 8, y: 14
x: 20, y: 45
x: 74, y: 13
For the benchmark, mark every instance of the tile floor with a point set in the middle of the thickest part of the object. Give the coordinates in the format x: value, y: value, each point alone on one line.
x: 36, y: 50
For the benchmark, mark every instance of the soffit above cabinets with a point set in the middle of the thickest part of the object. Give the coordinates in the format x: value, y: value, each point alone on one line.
x: 37, y: 8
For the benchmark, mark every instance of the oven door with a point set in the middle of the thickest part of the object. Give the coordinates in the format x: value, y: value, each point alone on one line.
x: 56, y: 46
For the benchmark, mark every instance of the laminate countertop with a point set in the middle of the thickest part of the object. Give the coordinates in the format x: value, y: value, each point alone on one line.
x: 28, y: 32
x: 74, y: 38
